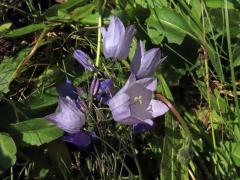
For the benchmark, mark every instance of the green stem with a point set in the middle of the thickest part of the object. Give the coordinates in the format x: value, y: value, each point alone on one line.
x: 137, y: 162
x: 207, y: 74
x: 99, y: 33
x: 115, y: 151
x: 231, y: 61
x: 11, y: 173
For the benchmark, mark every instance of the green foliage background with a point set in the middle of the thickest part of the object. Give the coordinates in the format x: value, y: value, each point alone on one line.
x: 201, y: 78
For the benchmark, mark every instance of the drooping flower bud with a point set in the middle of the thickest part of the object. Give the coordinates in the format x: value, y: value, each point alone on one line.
x: 83, y: 59
x: 94, y: 86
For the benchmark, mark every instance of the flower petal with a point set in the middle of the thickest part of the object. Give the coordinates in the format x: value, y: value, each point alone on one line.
x: 112, y: 39
x: 103, y: 31
x: 81, y: 139
x: 147, y: 69
x: 70, y: 118
x: 140, y: 98
x: 129, y: 82
x: 149, y: 83
x: 130, y: 120
x: 83, y: 59
x: 136, y: 62
x: 119, y: 106
x: 68, y: 90
x: 157, y: 108
x: 106, y: 85
x: 124, y: 47
x: 94, y: 86
x: 143, y: 127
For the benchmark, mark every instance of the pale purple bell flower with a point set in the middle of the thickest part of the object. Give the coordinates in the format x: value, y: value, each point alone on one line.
x: 144, y: 63
x: 134, y: 102
x: 116, y: 39
x: 70, y: 117
x: 83, y: 59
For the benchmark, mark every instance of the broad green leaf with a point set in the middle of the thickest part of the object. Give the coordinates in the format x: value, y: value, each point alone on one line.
x: 37, y: 131
x: 218, y: 21
x: 8, y: 69
x: 219, y: 4
x: 196, y: 9
x: 7, y: 151
x: 234, y: 149
x: 90, y: 19
x: 5, y: 26
x: 168, y: 23
x: 40, y: 101
x: 67, y: 6
x: 24, y: 30
x: 170, y: 167
x: 82, y: 12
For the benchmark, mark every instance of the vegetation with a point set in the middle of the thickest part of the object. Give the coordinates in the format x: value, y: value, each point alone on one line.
x: 200, y: 79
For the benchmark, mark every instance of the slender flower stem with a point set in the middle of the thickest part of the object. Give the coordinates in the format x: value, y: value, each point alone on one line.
x: 230, y: 54
x: 99, y: 33
x: 175, y: 112
x: 27, y: 59
x: 116, y: 152
x: 137, y: 162
x: 207, y: 74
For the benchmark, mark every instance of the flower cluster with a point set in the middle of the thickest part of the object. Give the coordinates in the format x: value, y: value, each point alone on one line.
x: 71, y: 116
x: 132, y: 105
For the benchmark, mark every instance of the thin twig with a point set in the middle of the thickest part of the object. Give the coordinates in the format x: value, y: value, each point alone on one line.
x: 175, y: 112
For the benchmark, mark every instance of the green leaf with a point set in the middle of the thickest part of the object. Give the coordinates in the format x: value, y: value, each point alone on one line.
x: 37, y: 131
x: 24, y: 30
x: 41, y: 101
x: 170, y: 167
x: 82, y: 12
x: 219, y: 4
x: 5, y: 26
x: 168, y: 23
x: 236, y: 56
x: 90, y: 19
x: 196, y: 10
x: 7, y: 151
x: 234, y: 149
x: 8, y: 69
x: 68, y: 6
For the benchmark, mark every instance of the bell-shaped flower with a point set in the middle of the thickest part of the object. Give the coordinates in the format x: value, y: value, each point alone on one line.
x: 144, y: 63
x: 83, y: 59
x: 83, y: 140
x: 134, y: 103
x: 67, y: 89
x: 142, y: 128
x: 70, y: 118
x: 116, y: 39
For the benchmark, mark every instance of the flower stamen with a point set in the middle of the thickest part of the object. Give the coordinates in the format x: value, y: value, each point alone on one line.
x: 138, y: 99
